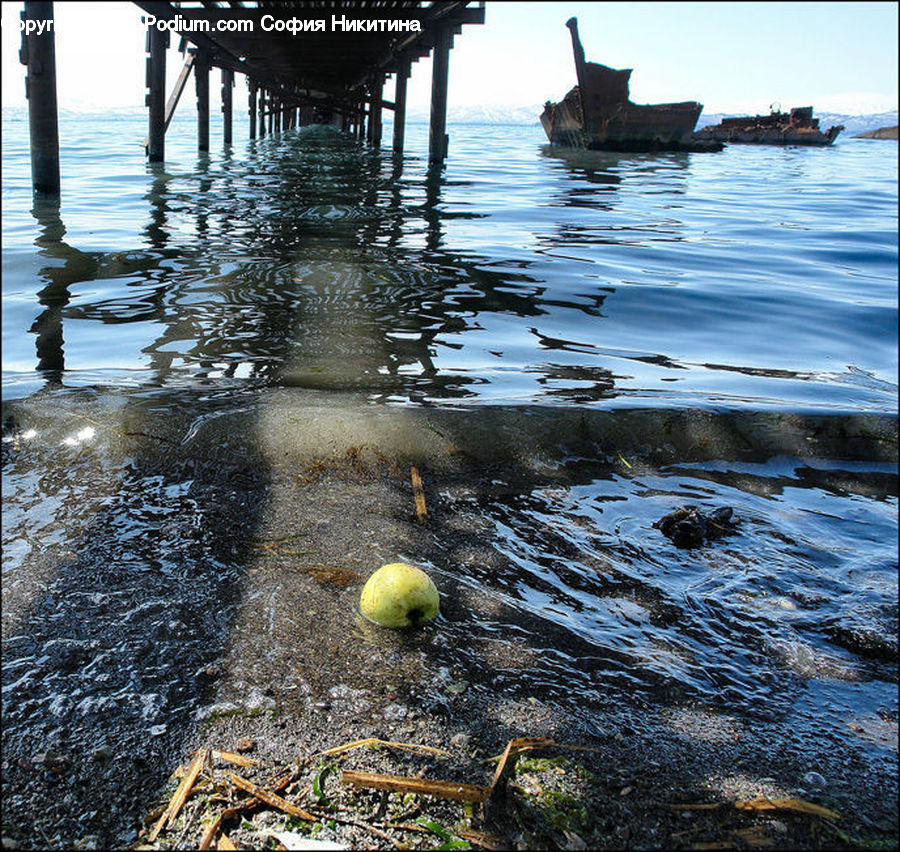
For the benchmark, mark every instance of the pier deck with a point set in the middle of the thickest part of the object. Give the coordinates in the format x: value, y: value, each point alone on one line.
x: 305, y: 62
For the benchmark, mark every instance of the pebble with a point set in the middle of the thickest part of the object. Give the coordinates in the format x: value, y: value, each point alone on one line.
x: 460, y: 740
x: 52, y: 760
x: 245, y: 744
x: 103, y: 752
x: 395, y: 712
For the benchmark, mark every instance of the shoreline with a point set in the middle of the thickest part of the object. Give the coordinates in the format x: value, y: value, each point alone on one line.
x: 248, y: 630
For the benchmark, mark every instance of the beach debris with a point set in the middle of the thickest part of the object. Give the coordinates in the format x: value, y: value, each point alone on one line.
x: 419, y: 495
x: 374, y: 741
x: 764, y: 803
x: 451, y: 789
x: 421, y: 786
x: 225, y: 842
x: 270, y: 798
x: 210, y: 834
x: 214, y: 804
x: 292, y: 841
x: 179, y: 797
x: 237, y: 759
x: 689, y: 526
x: 399, y: 595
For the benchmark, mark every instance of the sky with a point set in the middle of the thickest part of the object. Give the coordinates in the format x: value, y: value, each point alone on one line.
x: 732, y: 57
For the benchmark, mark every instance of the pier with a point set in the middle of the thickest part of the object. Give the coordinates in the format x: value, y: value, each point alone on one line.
x: 304, y: 62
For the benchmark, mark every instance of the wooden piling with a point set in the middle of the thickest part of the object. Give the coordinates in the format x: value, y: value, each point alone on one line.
x: 201, y: 71
x: 251, y: 104
x: 157, y: 42
x: 437, y: 137
x: 377, y: 88
x: 227, y: 86
x: 262, y: 112
x: 400, y: 106
x: 38, y: 53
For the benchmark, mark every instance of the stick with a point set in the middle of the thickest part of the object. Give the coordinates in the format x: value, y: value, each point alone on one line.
x: 763, y: 803
x: 481, y: 838
x: 375, y: 741
x: 505, y: 767
x: 180, y: 795
x: 270, y: 798
x: 419, y: 496
x: 210, y: 833
x: 239, y: 759
x: 528, y: 743
x: 422, y: 786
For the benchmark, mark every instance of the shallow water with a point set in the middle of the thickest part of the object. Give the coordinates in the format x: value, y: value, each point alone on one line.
x: 520, y: 274
x: 602, y: 337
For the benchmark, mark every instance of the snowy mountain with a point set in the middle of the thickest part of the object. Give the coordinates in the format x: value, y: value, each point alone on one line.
x: 529, y: 114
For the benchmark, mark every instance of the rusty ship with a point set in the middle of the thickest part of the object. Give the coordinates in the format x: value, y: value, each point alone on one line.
x: 599, y: 114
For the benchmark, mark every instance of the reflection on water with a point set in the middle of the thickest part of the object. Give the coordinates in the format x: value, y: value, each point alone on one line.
x: 310, y: 260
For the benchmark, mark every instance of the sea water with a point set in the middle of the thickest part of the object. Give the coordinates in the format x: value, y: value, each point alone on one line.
x: 518, y: 280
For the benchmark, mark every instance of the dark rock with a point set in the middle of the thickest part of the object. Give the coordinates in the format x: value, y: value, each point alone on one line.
x: 688, y: 526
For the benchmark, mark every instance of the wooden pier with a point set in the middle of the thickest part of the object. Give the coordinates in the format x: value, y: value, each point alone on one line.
x: 305, y: 62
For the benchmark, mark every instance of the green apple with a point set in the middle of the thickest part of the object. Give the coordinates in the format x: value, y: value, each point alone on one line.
x: 399, y: 595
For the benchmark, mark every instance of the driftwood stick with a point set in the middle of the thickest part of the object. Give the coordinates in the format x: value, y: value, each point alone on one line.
x: 419, y: 495
x: 270, y: 798
x: 210, y: 834
x: 179, y: 797
x: 239, y: 759
x: 421, y: 786
x: 375, y: 741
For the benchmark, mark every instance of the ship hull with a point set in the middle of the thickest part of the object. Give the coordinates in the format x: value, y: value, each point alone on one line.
x: 795, y: 128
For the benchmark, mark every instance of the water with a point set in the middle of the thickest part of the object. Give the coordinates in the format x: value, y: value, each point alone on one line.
x: 756, y: 278
x: 607, y: 336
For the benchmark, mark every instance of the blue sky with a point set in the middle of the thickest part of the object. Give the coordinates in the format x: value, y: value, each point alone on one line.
x: 737, y: 57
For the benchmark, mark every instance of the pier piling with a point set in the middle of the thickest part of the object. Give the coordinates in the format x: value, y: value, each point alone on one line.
x: 262, y: 112
x: 251, y: 104
x: 376, y: 87
x: 437, y: 136
x: 157, y: 42
x: 227, y: 86
x: 294, y: 75
x: 400, y: 106
x: 201, y: 77
x: 38, y: 54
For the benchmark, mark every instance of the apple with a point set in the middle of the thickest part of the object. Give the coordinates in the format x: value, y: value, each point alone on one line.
x: 399, y: 595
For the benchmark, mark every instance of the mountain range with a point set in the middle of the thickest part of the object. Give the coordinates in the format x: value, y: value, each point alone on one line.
x: 522, y: 115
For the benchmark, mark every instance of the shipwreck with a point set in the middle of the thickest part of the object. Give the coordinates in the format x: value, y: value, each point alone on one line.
x: 598, y: 114
x: 797, y: 127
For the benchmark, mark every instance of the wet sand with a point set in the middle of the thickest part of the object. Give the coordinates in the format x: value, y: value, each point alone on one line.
x: 275, y: 651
